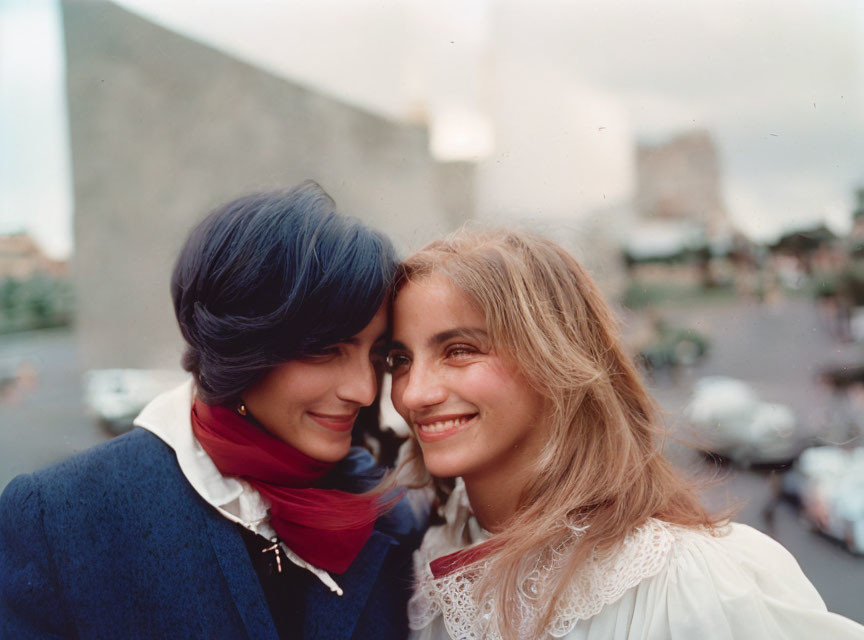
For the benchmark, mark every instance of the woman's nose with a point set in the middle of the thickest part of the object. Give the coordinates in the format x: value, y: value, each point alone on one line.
x: 360, y: 383
x: 420, y: 388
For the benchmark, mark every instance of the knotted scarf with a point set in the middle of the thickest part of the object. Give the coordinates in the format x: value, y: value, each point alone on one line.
x: 325, y: 527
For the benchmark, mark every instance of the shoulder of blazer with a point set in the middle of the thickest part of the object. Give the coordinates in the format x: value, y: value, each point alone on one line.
x: 134, y: 465
x: 131, y: 546
x: 111, y: 483
x: 40, y: 526
x: 112, y: 458
x: 31, y: 599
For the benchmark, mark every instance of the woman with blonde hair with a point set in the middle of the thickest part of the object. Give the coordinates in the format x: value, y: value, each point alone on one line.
x: 561, y: 516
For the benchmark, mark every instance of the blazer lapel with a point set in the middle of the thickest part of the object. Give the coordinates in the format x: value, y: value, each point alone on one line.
x: 242, y: 581
x: 331, y: 616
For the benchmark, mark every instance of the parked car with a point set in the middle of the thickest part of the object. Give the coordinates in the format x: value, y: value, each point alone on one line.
x: 671, y: 348
x: 730, y: 420
x: 9, y: 372
x: 843, y: 419
x: 828, y: 483
x: 116, y: 396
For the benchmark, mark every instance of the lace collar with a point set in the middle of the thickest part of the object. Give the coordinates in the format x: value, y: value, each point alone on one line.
x: 600, y: 581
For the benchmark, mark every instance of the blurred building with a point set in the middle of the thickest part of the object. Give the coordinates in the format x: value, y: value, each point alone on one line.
x: 857, y: 230
x: 163, y: 129
x: 680, y: 180
x: 681, y: 236
x: 21, y: 258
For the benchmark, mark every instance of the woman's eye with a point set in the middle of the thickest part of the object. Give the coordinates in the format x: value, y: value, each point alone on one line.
x: 460, y: 351
x: 396, y: 361
x: 322, y: 355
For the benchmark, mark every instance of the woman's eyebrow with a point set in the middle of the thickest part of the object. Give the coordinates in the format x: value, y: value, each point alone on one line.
x: 395, y: 344
x: 460, y: 332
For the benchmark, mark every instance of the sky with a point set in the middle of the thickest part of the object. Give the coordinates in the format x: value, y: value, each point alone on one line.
x: 552, y: 94
x: 35, y: 178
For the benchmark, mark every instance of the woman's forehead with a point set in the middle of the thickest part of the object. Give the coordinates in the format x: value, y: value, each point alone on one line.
x: 434, y: 303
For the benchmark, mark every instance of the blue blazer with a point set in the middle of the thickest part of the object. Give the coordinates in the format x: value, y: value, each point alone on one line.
x: 115, y: 543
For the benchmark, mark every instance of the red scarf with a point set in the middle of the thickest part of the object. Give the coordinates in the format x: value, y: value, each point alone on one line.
x: 445, y: 565
x: 325, y: 527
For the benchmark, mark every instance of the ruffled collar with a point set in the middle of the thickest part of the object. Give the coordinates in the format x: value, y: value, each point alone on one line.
x: 601, y: 580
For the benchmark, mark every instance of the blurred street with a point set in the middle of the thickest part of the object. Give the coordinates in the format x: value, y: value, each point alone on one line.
x: 42, y: 419
x: 779, y: 348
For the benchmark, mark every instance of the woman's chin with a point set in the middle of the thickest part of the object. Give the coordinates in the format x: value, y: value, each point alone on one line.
x: 440, y: 466
x: 332, y: 450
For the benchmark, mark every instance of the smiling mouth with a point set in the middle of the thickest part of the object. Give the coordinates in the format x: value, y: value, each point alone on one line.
x: 334, y: 423
x: 439, y: 429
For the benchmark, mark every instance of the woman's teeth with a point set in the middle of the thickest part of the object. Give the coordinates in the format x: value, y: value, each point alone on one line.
x: 444, y: 425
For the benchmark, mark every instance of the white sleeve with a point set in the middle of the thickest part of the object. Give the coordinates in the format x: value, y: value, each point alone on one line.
x: 742, y: 585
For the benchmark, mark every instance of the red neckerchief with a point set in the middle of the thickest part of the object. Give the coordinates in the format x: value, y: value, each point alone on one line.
x: 445, y: 565
x: 325, y: 527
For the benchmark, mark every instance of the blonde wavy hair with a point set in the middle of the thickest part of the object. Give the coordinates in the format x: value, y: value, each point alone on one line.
x: 602, y: 468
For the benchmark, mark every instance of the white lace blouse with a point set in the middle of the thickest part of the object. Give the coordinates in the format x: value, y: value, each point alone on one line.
x: 663, y: 582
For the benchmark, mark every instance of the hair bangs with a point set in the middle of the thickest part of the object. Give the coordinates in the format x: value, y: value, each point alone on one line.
x: 271, y: 277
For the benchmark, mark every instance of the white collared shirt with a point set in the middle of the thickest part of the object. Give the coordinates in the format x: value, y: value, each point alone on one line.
x: 169, y: 417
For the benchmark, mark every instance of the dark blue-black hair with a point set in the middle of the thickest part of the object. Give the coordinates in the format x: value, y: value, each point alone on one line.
x: 271, y: 277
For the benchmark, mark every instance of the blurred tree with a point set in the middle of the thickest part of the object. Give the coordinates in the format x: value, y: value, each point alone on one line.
x: 38, y: 302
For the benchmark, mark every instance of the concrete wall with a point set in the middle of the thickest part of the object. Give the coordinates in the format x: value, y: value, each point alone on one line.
x: 163, y: 129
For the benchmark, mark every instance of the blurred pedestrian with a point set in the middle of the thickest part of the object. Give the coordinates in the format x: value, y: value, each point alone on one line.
x: 239, y: 507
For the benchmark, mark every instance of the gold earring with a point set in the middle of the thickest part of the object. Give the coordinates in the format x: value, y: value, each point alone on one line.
x: 241, y: 408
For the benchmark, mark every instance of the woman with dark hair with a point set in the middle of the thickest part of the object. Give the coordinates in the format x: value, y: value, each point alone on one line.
x: 238, y: 508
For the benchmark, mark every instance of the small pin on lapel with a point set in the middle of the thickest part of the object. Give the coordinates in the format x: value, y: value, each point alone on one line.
x: 276, y: 548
